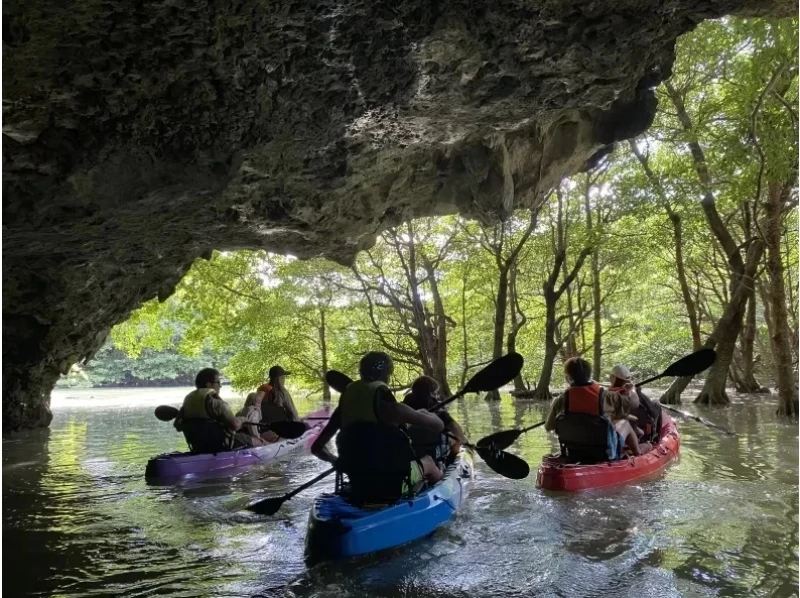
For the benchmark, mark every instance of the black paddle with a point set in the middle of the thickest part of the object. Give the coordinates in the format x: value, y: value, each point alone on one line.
x: 284, y: 429
x: 691, y: 365
x: 511, y: 464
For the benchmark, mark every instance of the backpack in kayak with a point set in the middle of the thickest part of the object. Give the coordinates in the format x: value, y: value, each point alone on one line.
x: 587, y: 437
x: 271, y: 413
x: 375, y: 458
x: 427, y: 442
x: 206, y: 435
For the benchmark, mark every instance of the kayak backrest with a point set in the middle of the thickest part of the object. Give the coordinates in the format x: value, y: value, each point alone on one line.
x: 271, y: 413
x: 205, y: 435
x: 586, y: 438
x: 376, y: 460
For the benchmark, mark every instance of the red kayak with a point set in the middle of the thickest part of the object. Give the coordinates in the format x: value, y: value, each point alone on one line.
x: 555, y: 475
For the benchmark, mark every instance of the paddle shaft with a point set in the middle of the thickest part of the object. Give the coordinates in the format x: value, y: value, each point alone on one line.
x: 308, y: 484
x: 696, y: 418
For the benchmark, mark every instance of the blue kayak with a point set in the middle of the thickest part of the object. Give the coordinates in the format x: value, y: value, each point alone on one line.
x: 338, y: 530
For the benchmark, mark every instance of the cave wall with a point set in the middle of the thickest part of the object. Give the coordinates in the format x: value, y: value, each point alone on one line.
x: 138, y: 136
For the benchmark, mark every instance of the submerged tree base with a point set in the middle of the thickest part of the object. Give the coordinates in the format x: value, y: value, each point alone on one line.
x: 712, y: 397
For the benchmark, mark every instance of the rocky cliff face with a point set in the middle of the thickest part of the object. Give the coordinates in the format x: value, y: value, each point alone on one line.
x: 138, y: 136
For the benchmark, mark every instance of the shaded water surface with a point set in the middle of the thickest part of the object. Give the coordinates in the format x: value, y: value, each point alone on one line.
x: 79, y: 519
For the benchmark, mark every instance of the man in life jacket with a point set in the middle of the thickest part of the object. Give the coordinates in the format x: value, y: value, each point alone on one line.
x: 207, y: 421
x: 439, y: 446
x: 578, y: 417
x: 369, y: 418
x: 646, y: 412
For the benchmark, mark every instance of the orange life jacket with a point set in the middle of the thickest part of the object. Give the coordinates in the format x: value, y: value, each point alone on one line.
x: 584, y: 399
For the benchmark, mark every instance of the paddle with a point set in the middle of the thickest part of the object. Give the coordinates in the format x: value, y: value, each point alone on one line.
x: 494, y: 372
x: 690, y: 365
x: 699, y: 420
x: 284, y: 429
x: 506, y: 464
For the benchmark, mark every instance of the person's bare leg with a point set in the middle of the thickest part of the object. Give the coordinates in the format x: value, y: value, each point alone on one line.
x: 430, y: 471
x: 625, y: 430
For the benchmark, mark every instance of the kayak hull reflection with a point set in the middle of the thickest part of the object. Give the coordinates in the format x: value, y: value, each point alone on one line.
x: 554, y: 474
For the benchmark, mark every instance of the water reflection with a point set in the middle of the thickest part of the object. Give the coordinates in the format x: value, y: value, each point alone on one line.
x: 79, y: 520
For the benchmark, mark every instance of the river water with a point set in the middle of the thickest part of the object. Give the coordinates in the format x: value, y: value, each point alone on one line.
x: 79, y: 519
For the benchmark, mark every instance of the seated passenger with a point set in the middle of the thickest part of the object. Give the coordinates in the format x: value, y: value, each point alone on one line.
x: 207, y: 421
x: 277, y: 404
x: 618, y: 408
x: 251, y: 413
x: 424, y: 395
x: 578, y: 417
x: 374, y: 453
x: 647, y: 413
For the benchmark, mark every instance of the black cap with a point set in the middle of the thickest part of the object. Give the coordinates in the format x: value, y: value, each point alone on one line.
x: 276, y: 371
x: 375, y: 365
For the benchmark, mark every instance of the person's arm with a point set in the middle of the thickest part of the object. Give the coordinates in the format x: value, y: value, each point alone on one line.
x: 400, y: 413
x: 555, y: 408
x: 289, y: 404
x: 224, y: 415
x: 455, y: 429
x: 320, y: 447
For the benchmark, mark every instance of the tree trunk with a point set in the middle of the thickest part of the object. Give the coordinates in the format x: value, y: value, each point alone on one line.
x: 786, y: 376
x: 723, y: 338
x: 743, y: 363
x: 499, y: 323
x: 542, y: 389
x: 323, y: 345
x: 517, y: 322
x: 672, y: 396
x: 691, y: 309
x: 465, y: 357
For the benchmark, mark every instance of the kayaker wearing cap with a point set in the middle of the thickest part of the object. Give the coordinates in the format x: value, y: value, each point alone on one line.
x: 646, y: 412
x: 277, y: 404
x: 207, y: 421
x: 370, y: 400
x: 424, y: 395
x: 578, y: 417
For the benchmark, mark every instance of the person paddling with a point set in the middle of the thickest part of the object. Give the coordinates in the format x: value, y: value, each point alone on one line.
x: 578, y: 417
x: 369, y: 417
x: 424, y: 395
x: 277, y: 404
x: 207, y: 421
x: 646, y: 412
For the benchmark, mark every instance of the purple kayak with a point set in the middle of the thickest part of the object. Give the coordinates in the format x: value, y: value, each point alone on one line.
x: 175, y: 465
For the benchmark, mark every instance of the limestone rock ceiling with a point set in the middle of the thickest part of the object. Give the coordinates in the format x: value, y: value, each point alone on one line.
x: 139, y: 135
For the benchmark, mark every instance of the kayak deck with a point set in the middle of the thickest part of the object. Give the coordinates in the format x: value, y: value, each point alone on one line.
x: 338, y: 530
x: 179, y: 464
x: 554, y: 474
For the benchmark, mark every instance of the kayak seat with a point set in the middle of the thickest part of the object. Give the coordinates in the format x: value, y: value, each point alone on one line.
x: 585, y: 438
x: 374, y: 464
x: 206, y: 436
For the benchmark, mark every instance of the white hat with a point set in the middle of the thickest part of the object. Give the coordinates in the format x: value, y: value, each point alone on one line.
x: 621, y: 372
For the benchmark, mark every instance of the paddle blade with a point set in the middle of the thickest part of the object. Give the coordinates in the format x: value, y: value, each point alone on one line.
x: 337, y: 380
x: 507, y: 465
x: 499, y: 440
x: 693, y: 364
x: 501, y: 371
x: 166, y: 413
x: 288, y: 429
x: 268, y: 506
